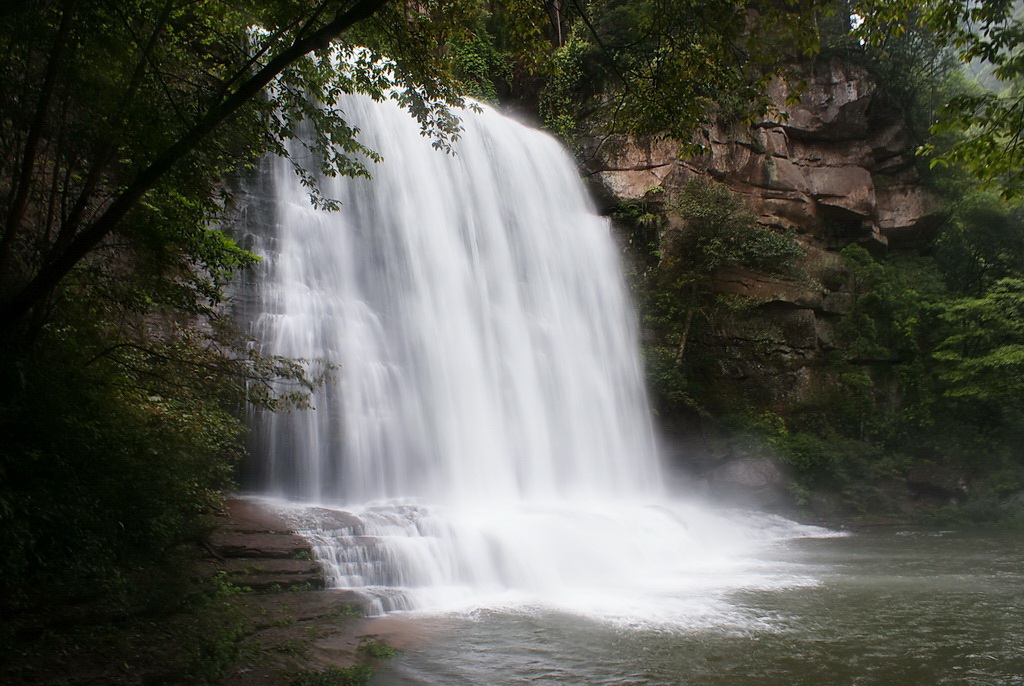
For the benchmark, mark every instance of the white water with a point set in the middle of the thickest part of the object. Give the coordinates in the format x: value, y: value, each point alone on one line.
x: 487, y: 424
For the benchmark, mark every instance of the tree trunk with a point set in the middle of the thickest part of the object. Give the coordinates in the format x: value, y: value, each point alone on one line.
x: 685, y: 335
x: 687, y: 325
x: 28, y: 162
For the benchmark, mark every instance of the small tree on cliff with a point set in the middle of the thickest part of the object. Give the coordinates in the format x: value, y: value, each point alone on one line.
x: 717, y: 230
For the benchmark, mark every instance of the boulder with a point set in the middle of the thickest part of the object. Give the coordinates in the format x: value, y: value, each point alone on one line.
x: 758, y: 481
x: 782, y: 174
x: 906, y: 212
x: 847, y: 187
x: 629, y: 166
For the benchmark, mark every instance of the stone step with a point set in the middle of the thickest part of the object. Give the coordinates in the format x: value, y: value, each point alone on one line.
x: 230, y: 544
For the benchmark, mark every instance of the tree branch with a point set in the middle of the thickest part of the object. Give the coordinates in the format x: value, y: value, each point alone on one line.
x: 15, y: 310
x: 106, y: 149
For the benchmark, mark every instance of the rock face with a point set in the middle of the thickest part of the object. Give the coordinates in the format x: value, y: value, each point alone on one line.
x: 255, y: 548
x: 834, y: 169
x: 837, y: 167
x: 930, y: 480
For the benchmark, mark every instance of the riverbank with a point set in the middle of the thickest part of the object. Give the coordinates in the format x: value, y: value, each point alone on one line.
x: 254, y: 613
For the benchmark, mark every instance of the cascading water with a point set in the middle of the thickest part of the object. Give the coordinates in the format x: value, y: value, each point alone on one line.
x: 487, y: 427
x: 475, y: 307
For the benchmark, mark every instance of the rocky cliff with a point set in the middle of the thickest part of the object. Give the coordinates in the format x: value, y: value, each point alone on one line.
x: 835, y: 168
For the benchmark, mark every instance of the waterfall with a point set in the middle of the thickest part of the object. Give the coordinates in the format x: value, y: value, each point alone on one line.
x: 486, y: 428
x: 475, y: 307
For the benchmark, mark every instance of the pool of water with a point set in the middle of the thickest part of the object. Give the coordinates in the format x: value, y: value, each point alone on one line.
x: 881, y: 607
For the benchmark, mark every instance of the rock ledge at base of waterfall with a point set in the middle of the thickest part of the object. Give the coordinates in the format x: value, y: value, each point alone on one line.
x: 255, y: 548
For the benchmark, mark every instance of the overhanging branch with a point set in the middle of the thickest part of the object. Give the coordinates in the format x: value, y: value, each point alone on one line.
x: 15, y: 309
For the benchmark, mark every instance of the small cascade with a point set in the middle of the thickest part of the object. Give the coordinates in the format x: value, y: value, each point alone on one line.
x: 615, y: 560
x: 486, y: 433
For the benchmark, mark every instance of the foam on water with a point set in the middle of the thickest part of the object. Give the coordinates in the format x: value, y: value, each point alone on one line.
x: 666, y: 565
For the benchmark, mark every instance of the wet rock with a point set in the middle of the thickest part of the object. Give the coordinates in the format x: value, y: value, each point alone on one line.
x: 258, y: 544
x: 893, y: 494
x: 254, y: 546
x: 1013, y: 504
x: 325, y: 519
x: 268, y: 573
x: 825, y: 505
x: 752, y: 480
x: 245, y: 514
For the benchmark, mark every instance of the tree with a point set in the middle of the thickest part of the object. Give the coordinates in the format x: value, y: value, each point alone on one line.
x: 718, y: 230
x: 663, y: 67
x: 707, y: 229
x: 119, y: 113
x: 982, y: 358
x: 990, y: 123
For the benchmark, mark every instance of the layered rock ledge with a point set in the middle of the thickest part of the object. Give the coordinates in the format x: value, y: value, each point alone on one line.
x: 254, y: 547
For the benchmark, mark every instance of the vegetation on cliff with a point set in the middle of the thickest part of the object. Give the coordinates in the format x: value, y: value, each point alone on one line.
x: 985, y: 123
x: 911, y: 378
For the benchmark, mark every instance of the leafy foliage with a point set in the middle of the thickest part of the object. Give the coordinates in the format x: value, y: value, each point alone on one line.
x: 356, y: 675
x: 982, y: 358
x: 662, y: 68
x: 892, y: 309
x: 477, y: 61
x: 989, y: 125
x: 119, y: 113
x: 981, y: 243
x: 719, y: 230
x: 708, y: 228
x: 376, y: 649
x: 957, y: 364
x: 118, y: 437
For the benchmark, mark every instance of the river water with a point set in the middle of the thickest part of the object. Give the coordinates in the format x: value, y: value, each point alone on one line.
x: 880, y: 607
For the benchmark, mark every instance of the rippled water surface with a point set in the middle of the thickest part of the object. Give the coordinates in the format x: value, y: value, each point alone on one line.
x: 883, y: 607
